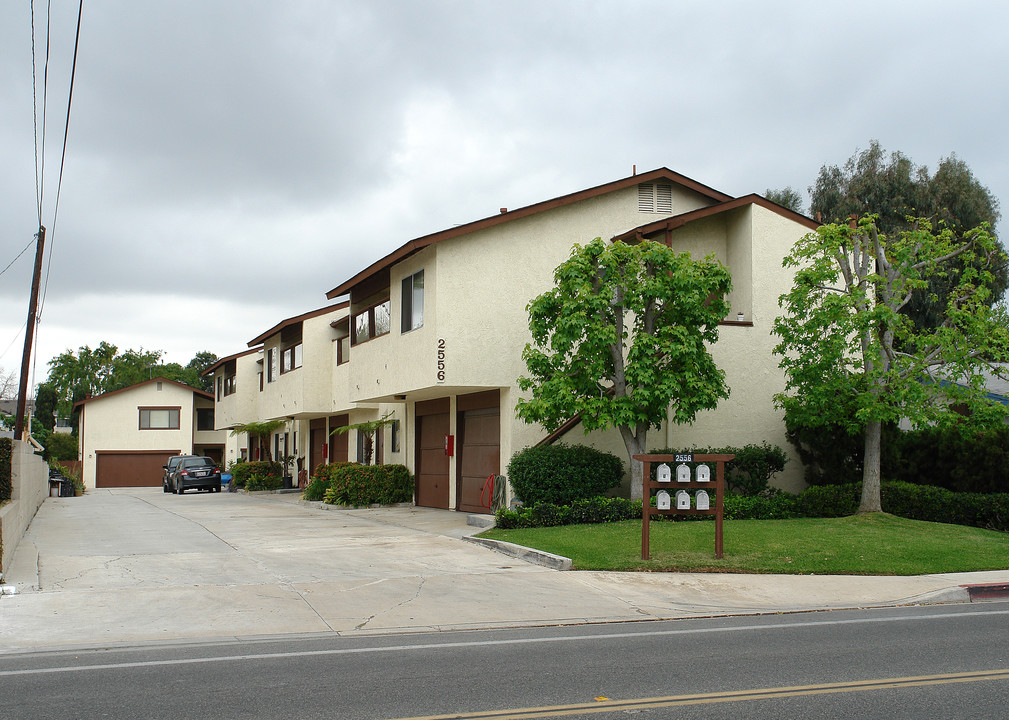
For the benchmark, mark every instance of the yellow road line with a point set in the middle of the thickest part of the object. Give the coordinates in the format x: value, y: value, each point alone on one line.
x: 719, y: 697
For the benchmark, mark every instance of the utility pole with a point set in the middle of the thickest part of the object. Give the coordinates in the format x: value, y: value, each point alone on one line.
x: 19, y: 420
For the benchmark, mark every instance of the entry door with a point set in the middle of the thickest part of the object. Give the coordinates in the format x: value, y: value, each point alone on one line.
x: 479, y: 457
x: 432, y: 462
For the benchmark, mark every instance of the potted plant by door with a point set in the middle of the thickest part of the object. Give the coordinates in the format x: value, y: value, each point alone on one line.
x: 288, y: 478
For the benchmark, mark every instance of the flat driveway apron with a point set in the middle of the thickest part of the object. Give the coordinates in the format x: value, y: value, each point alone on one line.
x: 135, y: 564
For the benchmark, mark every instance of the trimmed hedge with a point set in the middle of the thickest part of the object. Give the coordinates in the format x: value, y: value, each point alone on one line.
x: 916, y: 502
x: 6, y: 454
x: 750, y: 472
x: 363, y: 485
x: 562, y: 474
x: 241, y: 473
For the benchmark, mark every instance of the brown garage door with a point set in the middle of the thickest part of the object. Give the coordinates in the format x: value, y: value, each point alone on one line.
x: 130, y: 469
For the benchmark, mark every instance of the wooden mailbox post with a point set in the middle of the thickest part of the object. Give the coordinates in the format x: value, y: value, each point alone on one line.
x: 676, y: 483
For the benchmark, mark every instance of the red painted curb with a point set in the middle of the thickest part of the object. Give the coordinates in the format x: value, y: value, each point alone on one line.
x: 992, y: 591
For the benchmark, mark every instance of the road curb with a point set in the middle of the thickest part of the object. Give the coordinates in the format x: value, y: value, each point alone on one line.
x: 537, y: 557
x: 988, y: 591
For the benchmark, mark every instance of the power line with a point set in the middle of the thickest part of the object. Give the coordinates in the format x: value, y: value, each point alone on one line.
x: 30, y: 243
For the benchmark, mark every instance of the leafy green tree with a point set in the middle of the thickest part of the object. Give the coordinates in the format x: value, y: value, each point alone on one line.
x: 895, y: 189
x: 787, y: 197
x: 851, y: 358
x: 46, y: 401
x: 621, y: 341
x: 194, y: 370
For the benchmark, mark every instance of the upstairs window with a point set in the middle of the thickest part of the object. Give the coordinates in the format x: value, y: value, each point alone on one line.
x: 372, y: 323
x: 290, y: 358
x: 413, y: 302
x: 290, y: 348
x: 205, y: 418
x: 159, y: 418
x: 230, y: 371
x: 655, y: 197
x: 271, y: 365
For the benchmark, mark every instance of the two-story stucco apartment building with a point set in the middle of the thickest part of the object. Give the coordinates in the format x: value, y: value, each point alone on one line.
x: 434, y: 333
x: 126, y: 435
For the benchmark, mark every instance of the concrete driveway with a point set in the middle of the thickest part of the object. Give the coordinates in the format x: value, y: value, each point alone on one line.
x: 137, y: 565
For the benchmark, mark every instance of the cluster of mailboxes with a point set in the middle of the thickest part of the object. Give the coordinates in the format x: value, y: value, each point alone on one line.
x: 663, y: 500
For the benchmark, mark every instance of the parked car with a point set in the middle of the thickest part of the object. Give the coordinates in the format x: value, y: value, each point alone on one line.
x: 197, y: 472
x: 168, y: 469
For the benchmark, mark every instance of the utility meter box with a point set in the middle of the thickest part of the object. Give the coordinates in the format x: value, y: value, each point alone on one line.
x: 682, y: 500
x: 682, y: 473
x: 703, y: 473
x: 663, y: 473
x: 662, y: 501
x: 703, y: 502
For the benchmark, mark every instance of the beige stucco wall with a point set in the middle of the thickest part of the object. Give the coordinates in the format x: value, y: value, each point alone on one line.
x: 241, y: 406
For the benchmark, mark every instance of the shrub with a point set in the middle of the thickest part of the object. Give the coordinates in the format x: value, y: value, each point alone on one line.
x: 362, y: 485
x: 263, y: 482
x: 830, y: 500
x: 769, y: 506
x: 316, y: 488
x: 561, y: 474
x: 959, y: 458
x: 243, y: 472
x: 60, y: 446
x: 6, y: 455
x: 750, y: 472
x: 587, y: 510
x: 936, y: 504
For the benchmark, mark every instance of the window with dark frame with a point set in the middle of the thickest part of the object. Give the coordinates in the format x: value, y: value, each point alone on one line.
x: 159, y: 418
x: 413, y: 302
x: 394, y: 436
x: 372, y: 322
x: 204, y: 418
x: 271, y: 365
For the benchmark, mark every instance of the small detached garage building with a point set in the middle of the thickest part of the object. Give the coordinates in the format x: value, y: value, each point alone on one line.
x: 126, y: 435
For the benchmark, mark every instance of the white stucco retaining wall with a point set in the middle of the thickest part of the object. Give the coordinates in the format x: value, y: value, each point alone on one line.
x: 30, y: 480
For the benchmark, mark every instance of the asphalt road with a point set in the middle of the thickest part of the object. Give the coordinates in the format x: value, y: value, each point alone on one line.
x: 937, y: 661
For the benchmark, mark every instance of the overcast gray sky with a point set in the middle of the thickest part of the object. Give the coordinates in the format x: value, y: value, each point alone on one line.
x: 230, y: 161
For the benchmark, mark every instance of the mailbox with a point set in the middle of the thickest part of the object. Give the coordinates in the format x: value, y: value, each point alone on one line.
x: 663, y: 473
x: 662, y: 500
x: 703, y: 473
x: 682, y: 473
x: 703, y: 503
x: 682, y: 500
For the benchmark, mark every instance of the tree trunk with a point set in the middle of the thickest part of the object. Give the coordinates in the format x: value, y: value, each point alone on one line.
x: 870, y: 469
x: 635, y: 445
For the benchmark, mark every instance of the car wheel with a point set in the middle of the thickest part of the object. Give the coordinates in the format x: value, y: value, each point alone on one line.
x: 217, y: 488
x: 180, y: 488
x: 164, y: 486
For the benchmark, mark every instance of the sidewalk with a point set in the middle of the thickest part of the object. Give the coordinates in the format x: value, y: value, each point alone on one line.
x: 138, y: 566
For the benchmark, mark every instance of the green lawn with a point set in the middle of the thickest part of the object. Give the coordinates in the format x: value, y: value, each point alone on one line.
x: 875, y: 544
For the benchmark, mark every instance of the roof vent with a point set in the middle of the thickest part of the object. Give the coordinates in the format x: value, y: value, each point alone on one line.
x: 504, y: 210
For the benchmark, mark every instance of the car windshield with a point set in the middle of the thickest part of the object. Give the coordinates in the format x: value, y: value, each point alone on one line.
x: 198, y: 462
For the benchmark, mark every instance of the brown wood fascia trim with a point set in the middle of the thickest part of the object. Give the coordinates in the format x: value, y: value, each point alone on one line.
x: 110, y: 393
x: 213, y: 368
x: 667, y: 225
x: 420, y: 243
x: 296, y: 319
